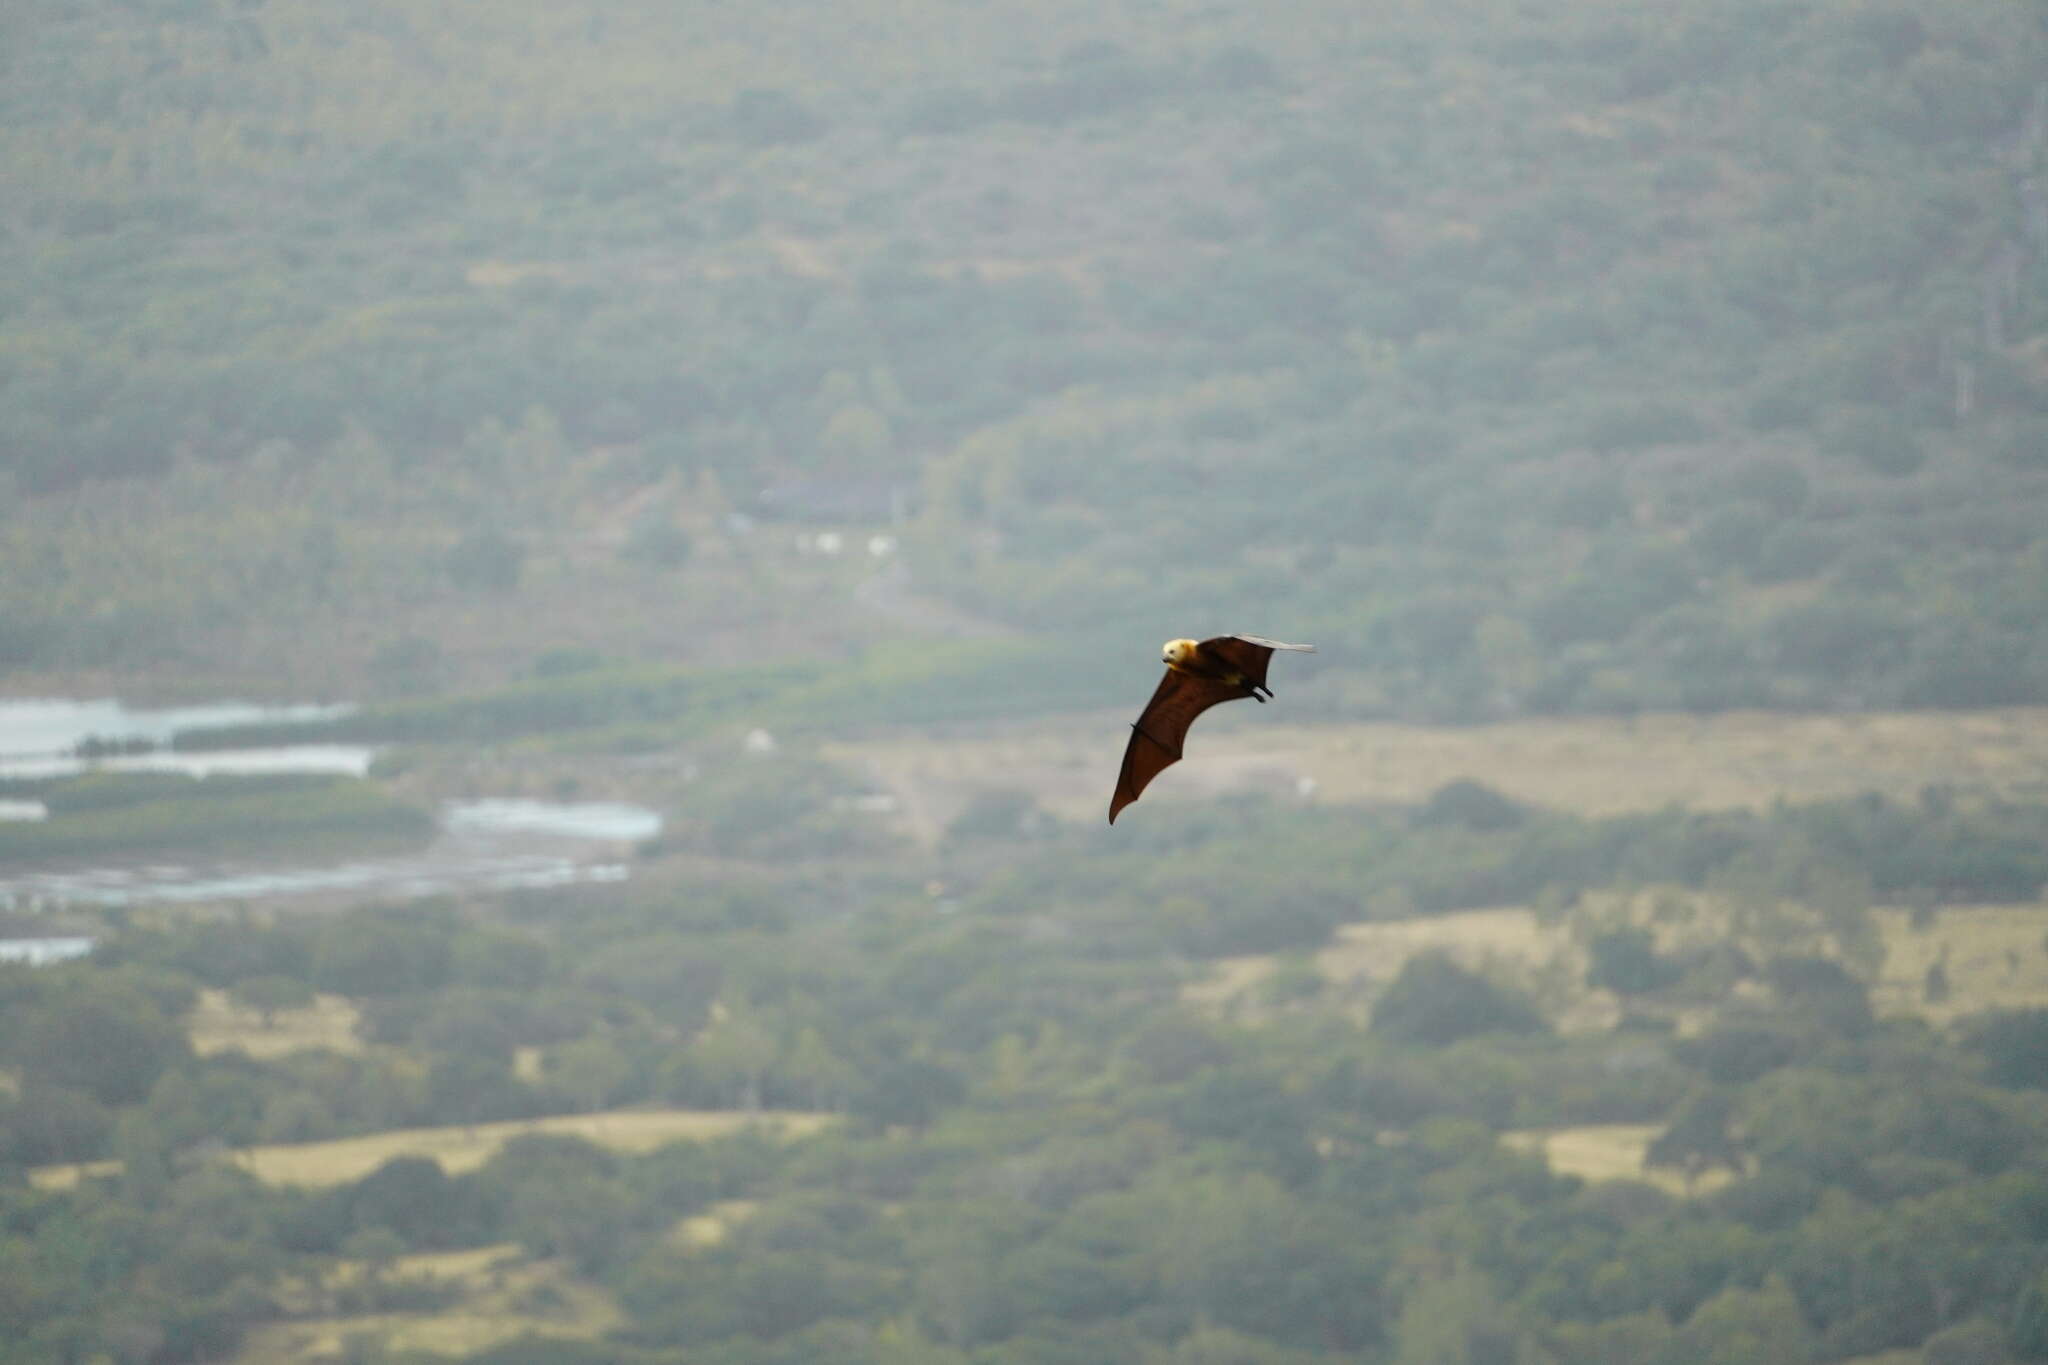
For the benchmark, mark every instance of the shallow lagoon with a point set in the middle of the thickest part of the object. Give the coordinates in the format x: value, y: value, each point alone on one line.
x: 486, y: 844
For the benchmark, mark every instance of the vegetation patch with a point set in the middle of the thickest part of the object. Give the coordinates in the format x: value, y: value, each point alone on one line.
x: 222, y: 1023
x: 67, y: 1176
x: 496, y: 1292
x: 94, y: 817
x: 465, y: 1147
x: 1962, y: 959
x: 1589, y: 766
x: 1611, y: 1151
x: 883, y: 685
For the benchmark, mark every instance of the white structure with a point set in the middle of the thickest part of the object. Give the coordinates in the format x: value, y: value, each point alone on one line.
x: 41, y: 952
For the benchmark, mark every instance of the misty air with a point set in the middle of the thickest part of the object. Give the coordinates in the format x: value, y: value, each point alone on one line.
x: 577, y: 578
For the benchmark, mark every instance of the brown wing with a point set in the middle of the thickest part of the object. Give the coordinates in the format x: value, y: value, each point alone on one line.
x: 1249, y: 654
x: 1157, y: 737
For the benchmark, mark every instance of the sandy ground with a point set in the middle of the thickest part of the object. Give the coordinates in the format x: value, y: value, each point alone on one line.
x: 1592, y: 765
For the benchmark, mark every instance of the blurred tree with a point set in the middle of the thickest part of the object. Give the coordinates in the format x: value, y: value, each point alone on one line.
x: 412, y: 1200
x: 2013, y: 1044
x: 735, y: 1052
x: 271, y: 993
x: 488, y: 560
x: 766, y: 117
x: 380, y: 954
x: 1699, y: 1138
x: 1433, y: 1000
x: 1458, y: 1319
x: 40, y: 1124
x: 1626, y: 961
x: 110, y: 1045
x: 910, y: 1093
x: 1251, y: 1257
x: 408, y: 667
x: 1761, y: 1326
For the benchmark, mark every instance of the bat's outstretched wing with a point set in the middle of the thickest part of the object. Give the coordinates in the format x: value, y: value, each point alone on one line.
x: 1249, y: 654
x: 1157, y: 737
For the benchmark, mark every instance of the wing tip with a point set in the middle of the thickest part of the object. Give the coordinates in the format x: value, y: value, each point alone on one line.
x: 1275, y: 644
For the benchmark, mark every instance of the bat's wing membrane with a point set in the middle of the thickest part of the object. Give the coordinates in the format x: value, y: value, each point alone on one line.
x: 1249, y: 654
x: 1161, y: 730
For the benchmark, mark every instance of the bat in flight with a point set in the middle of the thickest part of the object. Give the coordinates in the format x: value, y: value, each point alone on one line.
x: 1198, y: 675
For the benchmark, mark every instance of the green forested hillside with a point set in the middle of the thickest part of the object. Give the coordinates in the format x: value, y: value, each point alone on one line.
x: 580, y: 386
x: 1561, y: 357
x: 1047, y: 1147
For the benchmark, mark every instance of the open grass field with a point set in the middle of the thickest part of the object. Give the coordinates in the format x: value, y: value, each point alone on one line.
x: 1995, y: 957
x: 464, y: 1148
x: 1590, y: 765
x: 714, y: 1225
x: 461, y: 1147
x: 218, y: 1024
x: 1609, y: 1151
x: 68, y: 1175
x: 500, y: 1295
x: 1362, y: 958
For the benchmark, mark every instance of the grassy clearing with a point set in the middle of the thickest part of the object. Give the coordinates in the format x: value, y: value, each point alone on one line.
x: 714, y: 1225
x: 464, y: 1147
x: 218, y: 1024
x: 1590, y: 765
x: 1362, y: 958
x: 502, y: 1295
x: 1995, y: 956
x: 67, y: 1176
x: 1609, y: 1151
x: 216, y: 815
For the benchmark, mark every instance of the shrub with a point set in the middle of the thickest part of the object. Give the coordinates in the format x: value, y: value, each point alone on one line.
x: 1466, y: 804
x: 1238, y: 68
x: 1435, y: 1001
x: 2014, y: 1045
x: 1791, y: 552
x: 1877, y: 440
x: 1637, y: 424
x: 487, y: 560
x: 660, y: 544
x: 1625, y: 961
x: 766, y: 117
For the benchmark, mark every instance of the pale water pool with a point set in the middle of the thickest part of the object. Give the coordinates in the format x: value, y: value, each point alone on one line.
x: 483, y: 845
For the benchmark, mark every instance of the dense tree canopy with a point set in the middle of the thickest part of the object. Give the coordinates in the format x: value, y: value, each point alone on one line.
x: 1563, y: 359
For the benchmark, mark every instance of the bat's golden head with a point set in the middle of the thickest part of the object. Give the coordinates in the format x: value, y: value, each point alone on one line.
x: 1177, y: 652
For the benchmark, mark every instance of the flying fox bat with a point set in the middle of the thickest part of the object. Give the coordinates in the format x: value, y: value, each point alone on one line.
x: 1198, y: 675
